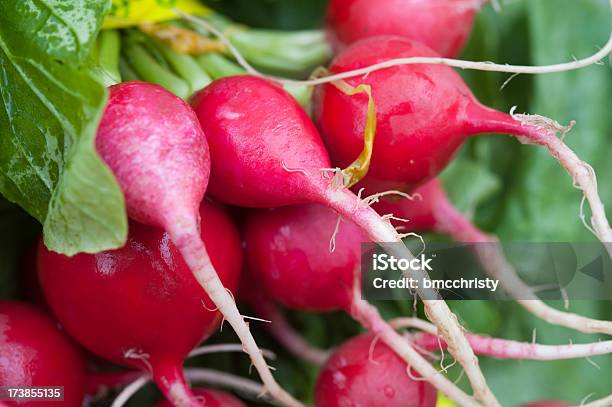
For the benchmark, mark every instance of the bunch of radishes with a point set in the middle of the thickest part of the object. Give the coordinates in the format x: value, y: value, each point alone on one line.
x: 243, y: 140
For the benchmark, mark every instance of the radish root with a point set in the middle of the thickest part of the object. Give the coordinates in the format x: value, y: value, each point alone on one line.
x: 451, y: 222
x: 371, y: 319
x: 437, y: 311
x: 283, y: 332
x: 542, y: 131
x: 186, y: 237
x: 503, y: 348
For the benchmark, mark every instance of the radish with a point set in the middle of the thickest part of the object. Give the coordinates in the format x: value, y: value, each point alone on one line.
x: 288, y: 254
x: 211, y: 398
x: 443, y: 25
x: 548, y: 403
x: 433, y: 211
x: 365, y: 372
x: 34, y: 352
x: 154, y: 145
x: 267, y: 153
x: 424, y: 114
x: 140, y: 305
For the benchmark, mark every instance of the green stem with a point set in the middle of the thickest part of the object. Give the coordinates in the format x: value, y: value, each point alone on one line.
x: 219, y: 66
x: 147, y: 68
x: 290, y: 53
x: 127, y: 73
x: 108, y: 51
x: 293, y: 53
x: 301, y: 93
x: 186, y: 66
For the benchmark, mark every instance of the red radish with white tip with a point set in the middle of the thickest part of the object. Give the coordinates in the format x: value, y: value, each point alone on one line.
x: 35, y: 352
x: 268, y: 153
x: 424, y: 114
x: 140, y: 305
x: 442, y: 25
x: 211, y: 398
x: 364, y: 371
x: 288, y: 254
x: 154, y: 145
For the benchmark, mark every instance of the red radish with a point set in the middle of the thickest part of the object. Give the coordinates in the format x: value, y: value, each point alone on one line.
x: 424, y: 114
x: 154, y: 145
x: 211, y: 398
x: 267, y: 153
x: 288, y: 254
x: 365, y: 372
x: 140, y: 305
x: 431, y: 210
x: 35, y: 352
x: 442, y: 25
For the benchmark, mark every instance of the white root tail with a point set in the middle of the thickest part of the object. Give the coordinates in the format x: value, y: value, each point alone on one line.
x: 504, y: 348
x: 187, y: 239
x: 380, y: 231
x: 371, y: 319
x: 495, y: 264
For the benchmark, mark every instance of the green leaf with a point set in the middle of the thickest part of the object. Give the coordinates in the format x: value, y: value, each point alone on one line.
x: 543, y: 204
x: 51, y: 106
x: 60, y: 29
x: 468, y: 183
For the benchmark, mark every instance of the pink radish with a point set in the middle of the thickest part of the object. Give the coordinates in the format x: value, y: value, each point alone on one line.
x: 140, y: 305
x: 366, y: 372
x: 424, y: 114
x: 267, y: 153
x: 35, y: 352
x: 211, y: 398
x: 442, y: 25
x: 431, y: 210
x: 155, y: 147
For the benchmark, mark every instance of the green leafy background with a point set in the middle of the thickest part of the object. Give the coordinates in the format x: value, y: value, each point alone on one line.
x: 514, y: 190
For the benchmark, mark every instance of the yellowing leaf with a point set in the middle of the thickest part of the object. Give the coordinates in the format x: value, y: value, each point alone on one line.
x: 127, y: 13
x: 358, y: 169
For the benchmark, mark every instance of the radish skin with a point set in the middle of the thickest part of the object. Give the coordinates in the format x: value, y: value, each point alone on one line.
x: 169, y: 313
x: 34, y: 352
x: 152, y: 142
x: 287, y: 254
x: 365, y: 371
x: 420, y: 130
x: 443, y: 25
x: 270, y: 154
